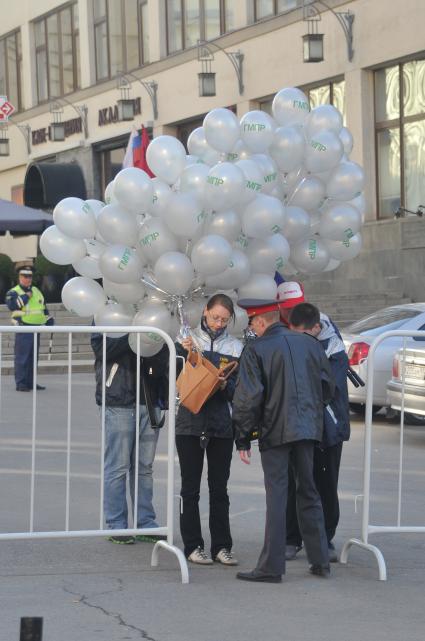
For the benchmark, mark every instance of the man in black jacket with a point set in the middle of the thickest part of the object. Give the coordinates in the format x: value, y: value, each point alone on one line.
x: 121, y: 430
x: 284, y: 383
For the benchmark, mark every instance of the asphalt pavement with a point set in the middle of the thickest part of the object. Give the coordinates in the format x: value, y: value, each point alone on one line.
x: 91, y: 590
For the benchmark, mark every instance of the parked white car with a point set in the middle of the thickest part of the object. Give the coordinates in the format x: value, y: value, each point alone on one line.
x: 410, y: 366
x: 358, y: 338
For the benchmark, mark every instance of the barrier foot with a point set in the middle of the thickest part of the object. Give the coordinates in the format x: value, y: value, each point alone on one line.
x: 371, y: 548
x: 179, y: 554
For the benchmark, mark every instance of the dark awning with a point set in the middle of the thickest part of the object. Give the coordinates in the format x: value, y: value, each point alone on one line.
x: 18, y: 219
x: 48, y: 183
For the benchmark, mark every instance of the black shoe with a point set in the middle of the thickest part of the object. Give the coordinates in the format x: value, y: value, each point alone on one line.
x: 333, y: 556
x: 257, y: 577
x: 292, y: 551
x: 40, y: 387
x: 321, y: 570
x: 21, y: 388
x: 122, y: 540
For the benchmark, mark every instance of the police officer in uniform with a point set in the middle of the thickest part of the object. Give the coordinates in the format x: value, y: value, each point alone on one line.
x: 26, y: 302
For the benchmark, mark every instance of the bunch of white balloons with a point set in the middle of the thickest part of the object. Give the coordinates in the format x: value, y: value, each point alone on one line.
x: 252, y: 198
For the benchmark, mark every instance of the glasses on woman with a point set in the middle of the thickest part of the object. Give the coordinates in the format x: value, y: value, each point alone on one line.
x: 214, y: 318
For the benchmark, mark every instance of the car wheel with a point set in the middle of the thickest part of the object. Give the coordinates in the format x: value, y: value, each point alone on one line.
x: 360, y: 408
x: 414, y: 419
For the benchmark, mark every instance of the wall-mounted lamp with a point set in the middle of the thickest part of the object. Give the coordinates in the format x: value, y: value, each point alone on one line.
x: 4, y: 141
x: 125, y: 103
x: 402, y: 212
x: 207, y: 77
x: 150, y: 86
x: 25, y: 131
x: 57, y: 127
x: 313, y: 41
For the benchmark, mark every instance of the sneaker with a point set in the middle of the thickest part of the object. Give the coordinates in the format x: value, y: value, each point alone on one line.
x: 333, y: 556
x: 323, y: 571
x: 150, y: 538
x: 225, y: 557
x: 292, y: 551
x: 122, y: 540
x: 199, y: 556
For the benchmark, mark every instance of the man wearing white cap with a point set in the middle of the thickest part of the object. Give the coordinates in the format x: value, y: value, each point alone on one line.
x: 327, y: 457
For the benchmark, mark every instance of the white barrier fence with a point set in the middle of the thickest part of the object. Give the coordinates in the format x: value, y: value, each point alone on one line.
x: 168, y: 529
x: 367, y: 526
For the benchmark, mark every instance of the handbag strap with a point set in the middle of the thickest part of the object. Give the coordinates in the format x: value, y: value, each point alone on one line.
x: 155, y: 424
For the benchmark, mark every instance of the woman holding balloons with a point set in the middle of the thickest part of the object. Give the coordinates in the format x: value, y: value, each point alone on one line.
x: 208, y: 431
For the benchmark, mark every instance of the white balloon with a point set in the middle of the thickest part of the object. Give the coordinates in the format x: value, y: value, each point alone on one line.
x: 290, y: 107
x: 253, y: 179
x: 83, y: 296
x: 224, y: 223
x: 256, y: 130
x: 236, y: 274
x: 269, y: 254
x: 291, y: 180
x: 185, y: 214
x: 75, y: 218
x: 146, y: 349
x: 155, y: 239
x: 240, y: 322
x: 133, y: 189
x: 333, y: 264
x: 359, y: 202
x: 339, y: 221
x: 310, y: 255
x: 109, y: 194
x: 95, y: 205
x: 309, y: 193
x: 124, y: 292
x: 221, y: 129
x: 152, y: 314
x: 239, y: 152
x: 88, y: 266
x: 263, y: 216
x: 120, y: 264
x: 117, y: 225
x: 346, y: 181
x: 174, y: 273
x: 287, y: 148
x: 211, y: 254
x: 114, y: 314
x: 345, y: 249
x: 193, y: 179
x: 61, y: 249
x: 192, y: 310
x: 260, y: 286
x: 269, y: 171
x: 323, y: 151
x: 346, y: 138
x: 166, y: 158
x: 297, y: 223
x: 224, y: 186
x: 198, y: 146
x: 323, y: 117
x: 161, y: 194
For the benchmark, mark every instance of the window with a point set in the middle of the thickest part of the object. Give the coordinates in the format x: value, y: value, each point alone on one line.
x: 10, y: 68
x: 121, y: 36
x: 191, y: 20
x: 57, y: 56
x: 269, y: 8
x: 400, y: 136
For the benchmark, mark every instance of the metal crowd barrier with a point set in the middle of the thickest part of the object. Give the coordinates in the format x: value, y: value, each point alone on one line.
x: 168, y: 529
x: 367, y: 526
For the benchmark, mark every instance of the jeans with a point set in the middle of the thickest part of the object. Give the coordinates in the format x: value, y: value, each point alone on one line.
x: 191, y: 458
x: 120, y: 446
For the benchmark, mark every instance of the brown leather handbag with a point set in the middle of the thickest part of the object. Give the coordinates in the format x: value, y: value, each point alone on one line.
x: 200, y: 379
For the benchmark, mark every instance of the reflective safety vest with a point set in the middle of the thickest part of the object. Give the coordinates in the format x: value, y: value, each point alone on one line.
x: 33, y: 312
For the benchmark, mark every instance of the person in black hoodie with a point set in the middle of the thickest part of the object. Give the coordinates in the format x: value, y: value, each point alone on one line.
x: 120, y: 429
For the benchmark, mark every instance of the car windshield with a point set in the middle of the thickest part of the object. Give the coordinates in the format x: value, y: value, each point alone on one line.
x: 382, y: 321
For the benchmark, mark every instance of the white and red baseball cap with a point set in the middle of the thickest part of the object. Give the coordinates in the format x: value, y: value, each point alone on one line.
x: 290, y: 294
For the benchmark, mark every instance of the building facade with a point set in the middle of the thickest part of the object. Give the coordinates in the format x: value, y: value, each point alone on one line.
x: 73, y: 63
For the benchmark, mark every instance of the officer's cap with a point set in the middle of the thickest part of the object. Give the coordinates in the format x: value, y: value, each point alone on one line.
x: 26, y: 271
x: 256, y: 306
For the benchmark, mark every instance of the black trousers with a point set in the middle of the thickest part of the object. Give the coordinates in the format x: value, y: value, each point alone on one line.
x: 191, y: 458
x: 275, y: 462
x: 24, y: 359
x: 326, y: 472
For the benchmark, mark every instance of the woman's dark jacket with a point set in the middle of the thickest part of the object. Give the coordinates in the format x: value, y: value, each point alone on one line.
x: 121, y: 364
x: 284, y: 382
x: 215, y: 417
